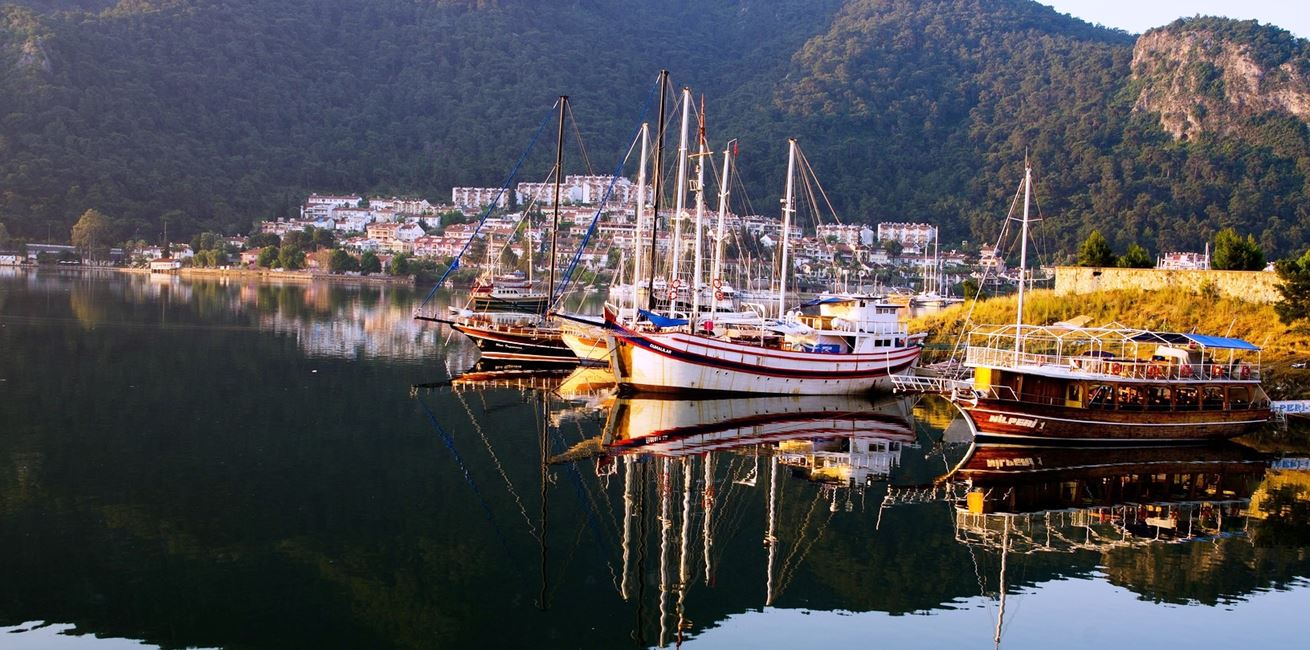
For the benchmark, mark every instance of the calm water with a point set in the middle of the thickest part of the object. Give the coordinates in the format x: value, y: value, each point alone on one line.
x: 200, y: 464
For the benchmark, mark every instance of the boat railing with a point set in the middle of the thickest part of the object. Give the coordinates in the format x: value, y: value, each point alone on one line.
x: 1116, y: 367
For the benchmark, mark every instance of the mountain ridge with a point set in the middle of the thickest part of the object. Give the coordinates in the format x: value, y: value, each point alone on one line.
x: 211, y: 114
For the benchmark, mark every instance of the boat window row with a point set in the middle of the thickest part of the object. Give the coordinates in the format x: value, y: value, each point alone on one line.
x: 1149, y: 397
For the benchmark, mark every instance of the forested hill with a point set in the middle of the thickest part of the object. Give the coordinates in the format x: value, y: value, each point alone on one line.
x: 212, y: 113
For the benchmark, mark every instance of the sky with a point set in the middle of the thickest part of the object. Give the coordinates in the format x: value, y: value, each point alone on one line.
x: 1137, y: 16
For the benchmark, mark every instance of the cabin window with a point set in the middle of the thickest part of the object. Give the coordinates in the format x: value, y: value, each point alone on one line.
x: 1239, y: 397
x: 1099, y: 396
x: 1073, y: 394
x: 1129, y: 398
x: 1158, y: 398
x: 1212, y: 398
x: 1186, y: 398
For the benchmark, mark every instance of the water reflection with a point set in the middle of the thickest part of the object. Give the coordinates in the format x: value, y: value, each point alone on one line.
x: 183, y: 465
x: 327, y: 320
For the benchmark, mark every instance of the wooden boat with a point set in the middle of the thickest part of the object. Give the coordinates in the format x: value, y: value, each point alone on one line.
x: 518, y: 336
x: 1085, y: 384
x: 1066, y: 382
x: 851, y: 346
x: 507, y: 292
x: 514, y: 337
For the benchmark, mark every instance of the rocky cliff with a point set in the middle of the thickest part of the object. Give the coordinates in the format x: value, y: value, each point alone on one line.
x: 1212, y: 76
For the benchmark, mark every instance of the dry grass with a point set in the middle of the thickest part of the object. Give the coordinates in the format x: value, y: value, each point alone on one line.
x: 1170, y: 309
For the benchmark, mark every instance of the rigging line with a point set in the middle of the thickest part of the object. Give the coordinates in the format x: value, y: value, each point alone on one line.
x: 968, y: 317
x: 806, y: 162
x: 788, y: 579
x: 591, y: 229
x: 580, y: 490
x: 609, y: 507
x: 454, y: 263
x: 568, y: 560
x: 509, y: 485
x: 796, y: 546
x: 449, y: 441
x: 582, y: 146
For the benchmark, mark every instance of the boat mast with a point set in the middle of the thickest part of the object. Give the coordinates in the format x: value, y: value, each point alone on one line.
x: 1023, y: 259
x: 655, y: 208
x: 1005, y: 553
x: 641, y: 212
x: 698, y: 266
x: 716, y: 268
x: 680, y: 196
x: 788, y: 207
x: 559, y: 177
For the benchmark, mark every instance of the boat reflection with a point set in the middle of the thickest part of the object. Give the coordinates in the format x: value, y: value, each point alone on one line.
x: 691, y: 468
x: 1024, y: 500
x: 1070, y: 498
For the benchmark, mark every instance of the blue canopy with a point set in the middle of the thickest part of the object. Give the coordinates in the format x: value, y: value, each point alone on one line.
x: 1203, y: 340
x: 661, y: 321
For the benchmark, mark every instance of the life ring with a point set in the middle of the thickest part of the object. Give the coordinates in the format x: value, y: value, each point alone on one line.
x: 1185, y: 371
x: 718, y: 295
x: 708, y: 325
x: 1115, y: 368
x: 1216, y: 370
x: 718, y: 283
x: 1246, y: 371
x: 1153, y: 371
x: 677, y: 282
x: 673, y: 294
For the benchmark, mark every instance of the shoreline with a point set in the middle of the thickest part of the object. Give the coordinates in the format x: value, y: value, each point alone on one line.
x: 256, y: 274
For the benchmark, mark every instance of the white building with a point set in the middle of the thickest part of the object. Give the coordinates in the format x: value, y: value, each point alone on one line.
x: 909, y: 235
x: 333, y: 200
x: 476, y: 198
x: 582, y: 190
x: 1184, y: 261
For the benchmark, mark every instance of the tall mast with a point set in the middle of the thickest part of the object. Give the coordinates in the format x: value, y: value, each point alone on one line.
x: 680, y: 193
x: 716, y: 268
x: 1023, y: 258
x: 698, y: 266
x: 641, y: 212
x: 559, y: 177
x: 655, y: 208
x: 788, y: 207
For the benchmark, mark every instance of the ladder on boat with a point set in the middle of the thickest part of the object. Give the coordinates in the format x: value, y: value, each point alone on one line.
x: 908, y: 383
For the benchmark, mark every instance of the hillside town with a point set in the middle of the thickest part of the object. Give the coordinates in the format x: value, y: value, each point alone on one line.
x: 356, y: 234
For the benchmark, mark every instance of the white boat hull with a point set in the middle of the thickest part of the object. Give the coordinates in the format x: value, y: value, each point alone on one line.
x: 681, y: 362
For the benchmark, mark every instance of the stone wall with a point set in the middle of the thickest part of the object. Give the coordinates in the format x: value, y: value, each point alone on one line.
x: 1252, y: 286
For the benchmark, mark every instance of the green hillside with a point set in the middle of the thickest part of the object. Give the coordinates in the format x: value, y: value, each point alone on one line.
x: 209, y: 113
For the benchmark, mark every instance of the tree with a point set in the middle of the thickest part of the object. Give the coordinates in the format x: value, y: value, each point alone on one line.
x: 291, y: 257
x: 91, y: 232
x: 972, y: 289
x: 1295, y: 289
x: 268, y: 257
x: 369, y: 263
x: 342, y: 262
x: 206, y: 241
x: 1232, y: 253
x: 262, y: 239
x: 1136, y: 258
x: 5, y: 239
x: 1095, y: 251
x: 401, y: 265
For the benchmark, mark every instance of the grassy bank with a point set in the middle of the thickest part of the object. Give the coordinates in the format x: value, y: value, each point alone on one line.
x: 1170, y: 309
